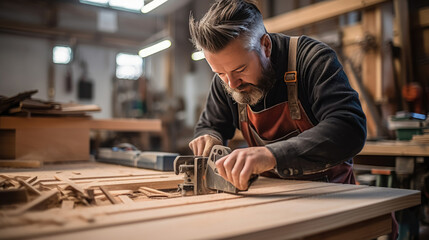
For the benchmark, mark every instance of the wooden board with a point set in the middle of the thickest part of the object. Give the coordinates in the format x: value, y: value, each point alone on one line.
x: 272, y: 209
x: 396, y: 148
x: 315, y: 13
x: 50, y: 139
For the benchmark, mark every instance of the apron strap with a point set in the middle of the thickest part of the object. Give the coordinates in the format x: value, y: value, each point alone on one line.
x: 242, y: 114
x: 291, y: 79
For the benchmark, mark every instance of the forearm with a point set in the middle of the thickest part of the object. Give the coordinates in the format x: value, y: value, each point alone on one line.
x: 331, y: 142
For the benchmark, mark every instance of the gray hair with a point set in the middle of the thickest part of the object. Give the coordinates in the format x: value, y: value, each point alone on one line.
x: 225, y: 21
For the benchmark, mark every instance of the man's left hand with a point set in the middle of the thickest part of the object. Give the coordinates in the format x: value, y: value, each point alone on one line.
x: 238, y: 166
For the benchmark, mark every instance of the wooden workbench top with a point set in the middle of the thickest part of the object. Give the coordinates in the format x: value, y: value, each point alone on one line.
x: 395, y: 148
x: 272, y: 209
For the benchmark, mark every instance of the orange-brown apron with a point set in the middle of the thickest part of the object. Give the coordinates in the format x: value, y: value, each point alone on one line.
x: 286, y: 120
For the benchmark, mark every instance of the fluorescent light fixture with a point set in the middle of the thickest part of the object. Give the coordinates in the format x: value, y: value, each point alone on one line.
x: 95, y: 2
x: 196, y: 56
x: 128, y: 66
x: 152, y: 5
x: 127, y: 4
x: 61, y: 54
x: 155, y: 48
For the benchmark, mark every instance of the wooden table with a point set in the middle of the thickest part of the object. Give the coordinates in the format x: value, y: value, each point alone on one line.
x: 271, y: 209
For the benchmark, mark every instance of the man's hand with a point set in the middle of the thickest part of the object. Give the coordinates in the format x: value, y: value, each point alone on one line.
x: 238, y: 166
x: 202, y: 145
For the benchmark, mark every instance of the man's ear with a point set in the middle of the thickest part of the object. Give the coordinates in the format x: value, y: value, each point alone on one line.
x: 266, y: 45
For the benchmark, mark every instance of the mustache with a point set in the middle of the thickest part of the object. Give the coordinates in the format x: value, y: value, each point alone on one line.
x: 244, y: 85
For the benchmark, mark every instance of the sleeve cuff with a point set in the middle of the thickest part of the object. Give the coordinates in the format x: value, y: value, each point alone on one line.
x: 288, y: 164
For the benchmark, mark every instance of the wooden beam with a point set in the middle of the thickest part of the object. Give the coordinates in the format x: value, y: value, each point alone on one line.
x: 97, y: 38
x: 402, y: 22
x: 148, y: 125
x: 424, y: 17
x: 315, y: 13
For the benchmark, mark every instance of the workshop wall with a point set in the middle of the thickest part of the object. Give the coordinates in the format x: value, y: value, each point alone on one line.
x: 23, y: 65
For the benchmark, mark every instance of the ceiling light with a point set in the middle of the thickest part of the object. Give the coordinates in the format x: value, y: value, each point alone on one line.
x: 155, y: 48
x: 196, y: 56
x: 129, y: 66
x: 152, y: 5
x: 127, y: 4
x: 61, y: 54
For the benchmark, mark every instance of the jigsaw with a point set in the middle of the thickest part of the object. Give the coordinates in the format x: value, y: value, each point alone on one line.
x: 201, y: 176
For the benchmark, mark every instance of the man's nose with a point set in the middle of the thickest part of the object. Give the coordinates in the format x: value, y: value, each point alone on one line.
x: 233, y: 82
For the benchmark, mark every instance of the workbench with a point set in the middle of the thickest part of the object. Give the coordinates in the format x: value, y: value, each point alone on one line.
x: 57, y: 139
x: 272, y: 209
x: 401, y: 157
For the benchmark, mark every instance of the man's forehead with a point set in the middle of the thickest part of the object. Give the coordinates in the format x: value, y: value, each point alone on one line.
x: 227, y: 61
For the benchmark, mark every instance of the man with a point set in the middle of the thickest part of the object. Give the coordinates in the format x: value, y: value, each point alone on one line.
x: 290, y: 98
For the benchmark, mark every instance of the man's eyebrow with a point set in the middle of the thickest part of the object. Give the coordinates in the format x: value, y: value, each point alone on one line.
x: 241, y: 66
x: 237, y: 68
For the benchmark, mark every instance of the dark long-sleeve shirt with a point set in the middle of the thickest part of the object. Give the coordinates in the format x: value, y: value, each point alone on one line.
x: 324, y: 91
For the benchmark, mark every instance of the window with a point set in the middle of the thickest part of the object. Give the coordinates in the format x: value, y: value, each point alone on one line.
x: 128, y: 66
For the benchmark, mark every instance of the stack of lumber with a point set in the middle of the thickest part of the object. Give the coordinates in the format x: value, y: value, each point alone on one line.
x: 23, y: 104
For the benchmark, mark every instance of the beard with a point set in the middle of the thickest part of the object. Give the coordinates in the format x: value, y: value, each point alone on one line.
x: 255, y: 92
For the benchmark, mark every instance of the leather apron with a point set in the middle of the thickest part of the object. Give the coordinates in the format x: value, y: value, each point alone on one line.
x: 285, y: 120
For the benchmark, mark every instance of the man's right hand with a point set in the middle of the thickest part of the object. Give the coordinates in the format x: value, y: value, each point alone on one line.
x: 202, y: 145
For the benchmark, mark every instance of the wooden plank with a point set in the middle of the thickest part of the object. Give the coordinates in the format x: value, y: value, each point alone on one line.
x: 185, y: 206
x: 31, y: 180
x: 280, y: 220
x: 43, y: 122
x: 109, y: 196
x: 20, y: 164
x: 403, y: 31
x: 315, y: 13
x: 52, y: 144
x: 73, y: 185
x: 29, y: 187
x: 92, y: 181
x: 368, y: 229
x: 125, y: 199
x: 161, y: 193
x: 67, y: 205
x: 395, y: 148
x: 40, y: 202
x: 285, y: 215
x: 147, y: 125
x: 164, y: 183
x: 424, y: 17
x: 7, y: 144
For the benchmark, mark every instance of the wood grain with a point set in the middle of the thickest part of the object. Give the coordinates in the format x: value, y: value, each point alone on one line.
x: 278, y: 211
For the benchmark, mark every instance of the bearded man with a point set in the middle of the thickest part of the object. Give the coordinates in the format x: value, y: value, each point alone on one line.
x: 289, y: 96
